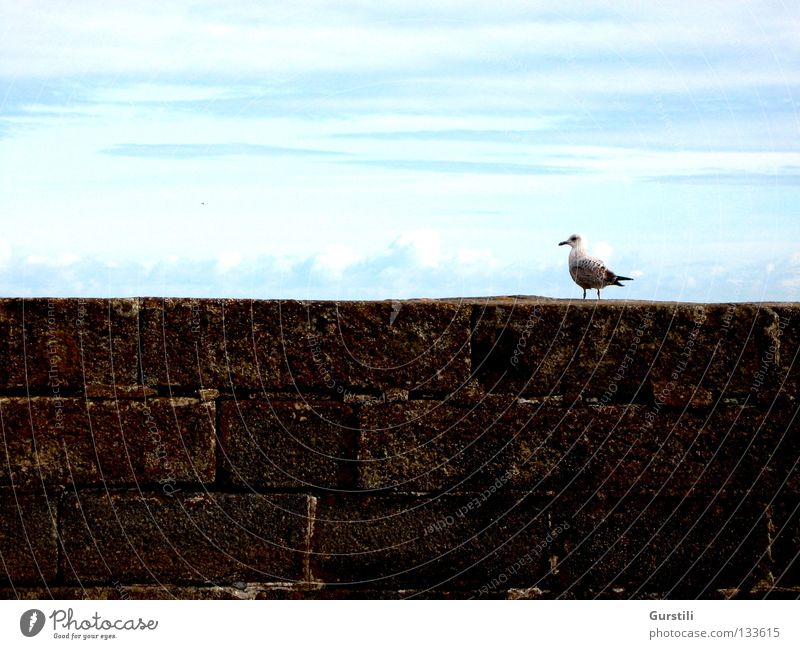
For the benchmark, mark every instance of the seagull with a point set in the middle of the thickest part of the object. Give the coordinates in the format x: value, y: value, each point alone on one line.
x: 587, y: 271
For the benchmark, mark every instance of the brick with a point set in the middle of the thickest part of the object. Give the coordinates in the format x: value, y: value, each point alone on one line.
x: 328, y: 346
x: 452, y: 441
x: 431, y: 446
x: 688, y: 354
x: 59, y: 593
x: 404, y: 542
x: 68, y: 345
x: 785, y: 545
x: 426, y: 347
x: 289, y: 444
x: 641, y: 449
x: 250, y: 591
x: 548, y: 347
x: 219, y: 538
x: 684, y: 548
x: 534, y: 592
x: 759, y: 594
x: 169, y: 591
x: 132, y: 592
x: 293, y: 593
x: 27, y: 538
x: 73, y: 441
x: 785, y: 333
x: 16, y: 450
x: 710, y: 352
x: 208, y: 395
x: 207, y: 344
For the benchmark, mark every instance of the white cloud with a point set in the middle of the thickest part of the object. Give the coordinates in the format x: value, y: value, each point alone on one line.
x: 227, y: 260
x: 468, y: 257
x: 334, y: 259
x: 165, y: 92
x: 283, y: 264
x: 648, y: 162
x: 42, y: 38
x: 792, y: 283
x: 61, y: 260
x: 603, y: 250
x: 5, y: 253
x: 66, y: 259
x: 425, y: 244
x: 477, y: 262
x: 501, y: 84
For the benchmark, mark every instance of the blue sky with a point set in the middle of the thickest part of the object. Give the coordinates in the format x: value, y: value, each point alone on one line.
x: 350, y: 150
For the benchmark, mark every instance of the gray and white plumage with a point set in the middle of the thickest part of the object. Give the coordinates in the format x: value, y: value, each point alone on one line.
x: 587, y: 271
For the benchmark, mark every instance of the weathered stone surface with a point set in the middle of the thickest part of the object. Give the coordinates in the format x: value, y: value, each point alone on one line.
x: 322, y: 345
x: 683, y: 353
x: 785, y: 548
x: 218, y: 538
x: 16, y: 450
x: 133, y: 592
x: 431, y: 446
x: 119, y: 392
x: 68, y: 345
x: 73, y: 441
x: 785, y: 372
x: 426, y: 346
x: 708, y: 352
x: 287, y: 444
x: 444, y: 543
x: 758, y: 593
x: 331, y: 593
x: 27, y: 538
x: 210, y: 344
x: 207, y: 395
x: 549, y: 347
x: 250, y: 591
x: 521, y: 448
x: 59, y: 593
x: 645, y: 449
x: 684, y: 548
x: 534, y: 592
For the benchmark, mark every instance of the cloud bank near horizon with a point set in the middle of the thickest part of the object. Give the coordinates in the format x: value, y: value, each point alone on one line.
x: 191, y: 148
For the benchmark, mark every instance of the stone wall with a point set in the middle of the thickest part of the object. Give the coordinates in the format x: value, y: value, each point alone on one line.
x: 492, y: 448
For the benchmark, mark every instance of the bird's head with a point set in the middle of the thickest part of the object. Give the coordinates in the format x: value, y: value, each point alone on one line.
x: 575, y: 241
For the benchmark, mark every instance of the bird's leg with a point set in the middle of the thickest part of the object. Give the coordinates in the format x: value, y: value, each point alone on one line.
x: 598, y: 293
x: 584, y: 294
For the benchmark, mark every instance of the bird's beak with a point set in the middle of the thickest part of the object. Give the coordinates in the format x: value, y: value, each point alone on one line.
x: 563, y: 243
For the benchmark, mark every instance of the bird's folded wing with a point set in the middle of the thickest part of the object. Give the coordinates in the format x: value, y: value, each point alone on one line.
x: 590, y: 270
